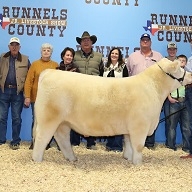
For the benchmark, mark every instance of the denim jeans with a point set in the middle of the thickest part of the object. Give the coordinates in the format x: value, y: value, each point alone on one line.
x: 10, y: 99
x: 188, y: 96
x: 166, y: 109
x: 115, y: 142
x: 181, y: 117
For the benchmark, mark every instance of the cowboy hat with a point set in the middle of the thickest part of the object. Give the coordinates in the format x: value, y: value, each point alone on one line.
x: 86, y: 35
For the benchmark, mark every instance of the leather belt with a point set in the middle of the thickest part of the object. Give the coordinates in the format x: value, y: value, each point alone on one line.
x: 180, y: 99
x: 11, y: 86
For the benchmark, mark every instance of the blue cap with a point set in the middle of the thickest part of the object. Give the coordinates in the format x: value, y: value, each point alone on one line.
x: 145, y: 35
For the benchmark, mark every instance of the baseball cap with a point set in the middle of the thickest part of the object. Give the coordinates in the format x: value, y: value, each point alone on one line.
x: 172, y: 45
x: 14, y: 40
x: 145, y: 35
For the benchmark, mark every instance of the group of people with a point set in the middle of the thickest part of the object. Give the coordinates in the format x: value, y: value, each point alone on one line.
x: 19, y: 84
x: 177, y: 108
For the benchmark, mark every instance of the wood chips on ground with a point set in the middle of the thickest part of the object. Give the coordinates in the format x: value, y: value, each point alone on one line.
x: 95, y: 171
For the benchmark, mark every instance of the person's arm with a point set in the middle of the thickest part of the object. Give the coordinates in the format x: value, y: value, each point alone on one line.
x: 171, y: 99
x: 128, y: 64
x: 28, y: 86
x: 101, y: 68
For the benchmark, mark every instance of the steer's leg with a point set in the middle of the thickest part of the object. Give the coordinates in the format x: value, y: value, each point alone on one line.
x: 43, y: 135
x: 62, y: 136
x: 136, y: 140
x: 137, y: 151
x: 128, y: 151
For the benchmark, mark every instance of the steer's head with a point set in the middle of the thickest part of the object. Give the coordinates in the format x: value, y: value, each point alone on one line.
x: 174, y: 70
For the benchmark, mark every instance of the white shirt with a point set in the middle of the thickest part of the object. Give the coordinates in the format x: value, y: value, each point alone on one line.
x: 117, y: 72
x: 188, y: 67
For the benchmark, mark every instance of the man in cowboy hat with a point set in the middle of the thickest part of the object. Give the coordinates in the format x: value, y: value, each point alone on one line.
x: 90, y: 63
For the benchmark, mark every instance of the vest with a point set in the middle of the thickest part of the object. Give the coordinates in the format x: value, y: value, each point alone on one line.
x: 21, y: 69
x: 89, y: 65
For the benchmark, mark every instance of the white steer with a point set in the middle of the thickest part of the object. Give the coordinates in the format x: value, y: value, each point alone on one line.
x: 99, y: 106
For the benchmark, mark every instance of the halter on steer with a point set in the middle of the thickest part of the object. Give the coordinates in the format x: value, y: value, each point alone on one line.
x: 180, y: 79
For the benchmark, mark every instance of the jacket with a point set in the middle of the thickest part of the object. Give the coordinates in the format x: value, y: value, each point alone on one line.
x: 21, y: 69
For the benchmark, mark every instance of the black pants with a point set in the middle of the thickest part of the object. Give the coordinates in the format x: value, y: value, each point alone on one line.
x: 115, y: 142
x: 150, y: 140
x: 76, y: 139
x: 190, y: 146
x: 166, y: 108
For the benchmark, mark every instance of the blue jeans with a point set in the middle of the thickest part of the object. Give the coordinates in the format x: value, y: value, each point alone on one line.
x: 188, y: 96
x: 166, y: 109
x: 7, y: 99
x: 181, y: 117
x: 115, y: 142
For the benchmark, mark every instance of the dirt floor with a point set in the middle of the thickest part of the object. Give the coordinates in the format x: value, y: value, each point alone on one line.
x: 95, y: 171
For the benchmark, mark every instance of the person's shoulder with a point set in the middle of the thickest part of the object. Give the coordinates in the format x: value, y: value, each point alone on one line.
x: 23, y: 55
x: 97, y: 53
x: 135, y: 53
x: 157, y: 53
x: 74, y: 65
x: 190, y: 59
x: 189, y: 62
x: 36, y: 62
x: 55, y: 62
x: 2, y: 54
x: 75, y: 68
x: 78, y: 51
x: 5, y: 54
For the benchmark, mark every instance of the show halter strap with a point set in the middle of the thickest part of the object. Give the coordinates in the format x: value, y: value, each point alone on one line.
x: 178, y: 79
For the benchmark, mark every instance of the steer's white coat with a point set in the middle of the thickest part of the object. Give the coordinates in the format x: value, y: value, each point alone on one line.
x: 99, y: 106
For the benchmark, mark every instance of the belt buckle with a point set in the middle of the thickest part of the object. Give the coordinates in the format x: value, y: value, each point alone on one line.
x: 11, y: 86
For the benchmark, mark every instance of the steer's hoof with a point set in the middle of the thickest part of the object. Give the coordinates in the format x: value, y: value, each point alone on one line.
x: 72, y: 159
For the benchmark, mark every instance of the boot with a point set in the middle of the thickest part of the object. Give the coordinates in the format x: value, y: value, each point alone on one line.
x: 31, y: 146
